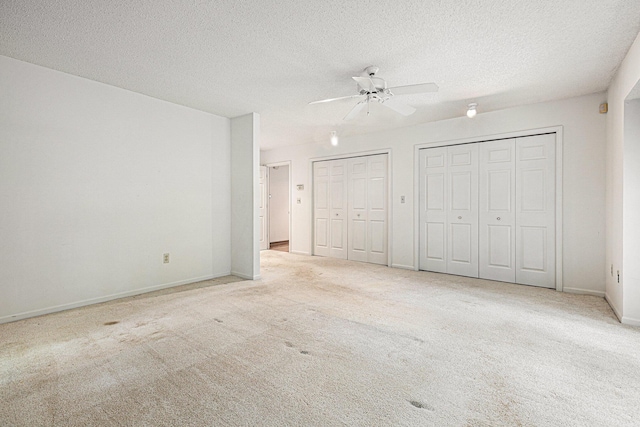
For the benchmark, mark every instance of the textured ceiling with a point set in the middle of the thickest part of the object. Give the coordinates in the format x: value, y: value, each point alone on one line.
x: 274, y: 56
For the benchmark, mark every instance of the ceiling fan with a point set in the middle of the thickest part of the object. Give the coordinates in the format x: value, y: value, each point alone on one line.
x: 374, y: 89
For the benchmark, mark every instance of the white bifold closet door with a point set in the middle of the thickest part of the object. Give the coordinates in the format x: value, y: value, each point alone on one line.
x: 449, y: 210
x: 433, y: 212
x: 368, y: 209
x: 498, y: 210
x: 350, y: 208
x: 535, y: 211
x: 330, y: 208
x: 488, y: 210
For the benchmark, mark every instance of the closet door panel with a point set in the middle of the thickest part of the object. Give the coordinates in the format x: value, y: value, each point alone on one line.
x: 433, y: 209
x: 497, y: 217
x: 535, y: 210
x: 357, y: 226
x: 338, y: 211
x: 461, y: 241
x: 377, y: 209
x: 462, y: 212
x: 321, y: 212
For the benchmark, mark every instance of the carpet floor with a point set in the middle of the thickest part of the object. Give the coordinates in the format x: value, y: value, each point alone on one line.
x: 326, y: 342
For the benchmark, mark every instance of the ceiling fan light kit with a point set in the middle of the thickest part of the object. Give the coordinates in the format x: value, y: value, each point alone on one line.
x: 374, y: 89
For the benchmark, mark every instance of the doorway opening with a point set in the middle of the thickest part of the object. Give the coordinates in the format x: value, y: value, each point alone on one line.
x: 275, y: 207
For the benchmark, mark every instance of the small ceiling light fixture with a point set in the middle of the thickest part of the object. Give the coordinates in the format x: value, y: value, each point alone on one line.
x: 471, y: 112
x: 334, y: 138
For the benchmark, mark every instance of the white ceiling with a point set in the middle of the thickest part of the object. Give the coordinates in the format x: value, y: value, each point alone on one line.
x: 233, y: 57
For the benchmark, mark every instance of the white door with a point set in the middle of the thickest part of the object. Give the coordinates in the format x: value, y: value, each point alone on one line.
x: 368, y: 209
x: 330, y: 208
x: 377, y: 209
x: 321, y: 208
x: 462, y: 242
x: 535, y: 210
x: 497, y: 210
x: 358, y: 177
x: 350, y: 208
x: 433, y: 213
x: 263, y: 210
x: 338, y: 211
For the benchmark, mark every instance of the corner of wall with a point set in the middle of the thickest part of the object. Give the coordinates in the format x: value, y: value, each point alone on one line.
x: 245, y: 160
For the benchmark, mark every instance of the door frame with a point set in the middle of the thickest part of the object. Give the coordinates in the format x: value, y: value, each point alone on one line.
x: 386, y: 151
x: 558, y: 130
x: 270, y: 165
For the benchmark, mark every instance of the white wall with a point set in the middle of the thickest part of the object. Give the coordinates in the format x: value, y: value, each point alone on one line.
x: 279, y: 204
x: 631, y: 215
x: 626, y: 78
x: 584, y: 178
x: 245, y: 196
x: 96, y: 183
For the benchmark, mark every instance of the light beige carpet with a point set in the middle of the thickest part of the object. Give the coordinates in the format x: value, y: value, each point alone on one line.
x: 326, y: 342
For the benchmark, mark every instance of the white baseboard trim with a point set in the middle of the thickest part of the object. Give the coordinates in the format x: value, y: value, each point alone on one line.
x: 613, y: 307
x: 583, y: 292
x: 300, y: 253
x: 245, y: 276
x: 631, y: 321
x: 402, y: 266
x: 98, y: 300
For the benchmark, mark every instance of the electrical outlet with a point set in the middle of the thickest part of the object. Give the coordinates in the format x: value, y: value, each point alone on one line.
x: 165, y: 258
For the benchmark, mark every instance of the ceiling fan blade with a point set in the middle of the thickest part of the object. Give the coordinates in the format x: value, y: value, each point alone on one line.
x: 355, y: 110
x: 410, y: 89
x: 399, y: 107
x: 335, y: 99
x: 365, y: 83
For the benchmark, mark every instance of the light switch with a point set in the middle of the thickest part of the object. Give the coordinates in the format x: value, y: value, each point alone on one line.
x: 401, y: 199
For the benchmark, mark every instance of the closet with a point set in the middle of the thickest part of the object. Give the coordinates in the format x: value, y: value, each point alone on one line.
x: 487, y: 210
x: 350, y: 208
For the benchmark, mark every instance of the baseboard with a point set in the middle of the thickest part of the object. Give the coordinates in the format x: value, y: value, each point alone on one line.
x: 300, y: 253
x: 613, y: 307
x: 98, y: 300
x: 583, y: 292
x: 245, y: 276
x: 402, y: 266
x: 631, y: 321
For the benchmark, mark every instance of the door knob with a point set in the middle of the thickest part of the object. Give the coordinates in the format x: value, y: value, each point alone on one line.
x: 336, y: 214
x: 358, y: 215
x: 498, y: 218
x: 459, y: 217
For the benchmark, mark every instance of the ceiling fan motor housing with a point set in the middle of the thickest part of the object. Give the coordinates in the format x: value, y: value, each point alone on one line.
x: 371, y: 71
